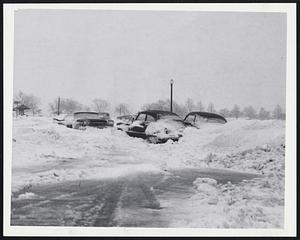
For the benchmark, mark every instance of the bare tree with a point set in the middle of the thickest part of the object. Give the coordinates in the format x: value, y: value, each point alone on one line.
x: 200, y: 106
x: 53, y: 106
x: 159, y: 105
x: 236, y: 112
x: 67, y: 105
x: 122, y: 109
x: 100, y: 105
x: 249, y: 112
x: 164, y: 105
x: 190, y: 105
x: 180, y: 109
x: 224, y: 112
x: 278, y: 112
x: 211, y: 108
x: 29, y: 100
x: 86, y: 108
x: 146, y: 107
x: 263, y: 114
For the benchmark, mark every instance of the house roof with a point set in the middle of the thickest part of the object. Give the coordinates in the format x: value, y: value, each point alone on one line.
x: 21, y: 107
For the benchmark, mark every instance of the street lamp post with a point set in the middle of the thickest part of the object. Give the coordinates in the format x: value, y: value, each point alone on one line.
x: 171, y: 104
x: 58, y: 105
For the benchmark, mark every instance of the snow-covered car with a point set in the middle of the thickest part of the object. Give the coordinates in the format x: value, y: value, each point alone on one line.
x: 200, y: 119
x: 64, y: 119
x: 68, y: 120
x: 59, y: 119
x: 124, y: 121
x: 91, y: 119
x: 157, y: 126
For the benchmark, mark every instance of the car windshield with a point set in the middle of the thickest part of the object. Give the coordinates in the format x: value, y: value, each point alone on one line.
x: 169, y: 117
x: 86, y: 115
x: 210, y: 119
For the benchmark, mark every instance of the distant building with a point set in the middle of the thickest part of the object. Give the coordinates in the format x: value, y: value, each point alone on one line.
x: 19, y: 109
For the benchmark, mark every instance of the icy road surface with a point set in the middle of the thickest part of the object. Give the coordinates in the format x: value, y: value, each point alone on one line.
x: 147, y: 200
x: 62, y: 176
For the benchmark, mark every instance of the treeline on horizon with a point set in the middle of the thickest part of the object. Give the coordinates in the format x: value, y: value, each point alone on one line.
x: 68, y: 105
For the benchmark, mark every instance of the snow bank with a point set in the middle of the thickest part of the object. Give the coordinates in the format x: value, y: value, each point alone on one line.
x: 197, y: 145
x: 248, y: 146
x: 251, y: 204
x: 27, y: 195
x: 44, y: 152
x: 239, y: 144
x: 206, y: 190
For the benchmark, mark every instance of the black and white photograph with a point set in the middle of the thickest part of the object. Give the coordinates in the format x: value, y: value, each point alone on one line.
x: 150, y: 119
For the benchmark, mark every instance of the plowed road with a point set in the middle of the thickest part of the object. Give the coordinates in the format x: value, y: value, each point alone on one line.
x: 132, y: 201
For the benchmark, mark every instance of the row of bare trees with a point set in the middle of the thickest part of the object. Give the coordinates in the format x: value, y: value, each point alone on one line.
x: 236, y: 111
x: 68, y: 105
x: 101, y: 105
x: 250, y: 112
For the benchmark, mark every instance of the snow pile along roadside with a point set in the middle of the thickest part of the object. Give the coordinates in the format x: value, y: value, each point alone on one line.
x: 44, y: 152
x: 243, y: 145
x: 246, y: 146
x: 256, y: 203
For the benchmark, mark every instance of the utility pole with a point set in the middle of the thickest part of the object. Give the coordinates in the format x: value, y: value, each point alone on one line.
x: 58, y: 105
x: 171, y: 98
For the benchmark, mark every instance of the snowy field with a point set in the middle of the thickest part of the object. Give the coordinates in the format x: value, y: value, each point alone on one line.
x: 47, y: 153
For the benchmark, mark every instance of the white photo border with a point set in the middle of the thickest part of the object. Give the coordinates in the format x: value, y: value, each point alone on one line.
x: 290, y: 157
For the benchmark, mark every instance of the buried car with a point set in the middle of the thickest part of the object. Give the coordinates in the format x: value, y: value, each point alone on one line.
x: 157, y: 126
x: 64, y: 119
x: 200, y: 119
x: 124, y: 121
x: 60, y: 118
x: 91, y: 119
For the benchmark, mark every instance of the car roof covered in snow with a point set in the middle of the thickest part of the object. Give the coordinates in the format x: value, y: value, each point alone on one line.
x: 155, y: 112
x: 160, y: 113
x: 207, y: 115
x: 91, y: 113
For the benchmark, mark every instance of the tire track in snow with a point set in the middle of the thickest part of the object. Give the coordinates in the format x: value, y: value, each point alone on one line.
x: 105, y: 216
x: 143, y: 200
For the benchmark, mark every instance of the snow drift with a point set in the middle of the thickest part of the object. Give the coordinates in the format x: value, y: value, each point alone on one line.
x: 44, y: 152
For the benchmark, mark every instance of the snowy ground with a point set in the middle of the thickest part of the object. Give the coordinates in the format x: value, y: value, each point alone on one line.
x: 46, y: 153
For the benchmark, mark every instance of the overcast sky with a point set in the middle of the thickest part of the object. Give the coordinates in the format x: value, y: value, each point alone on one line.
x: 130, y: 56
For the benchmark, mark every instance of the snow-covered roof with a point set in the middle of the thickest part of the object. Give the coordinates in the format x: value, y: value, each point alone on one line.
x: 21, y: 107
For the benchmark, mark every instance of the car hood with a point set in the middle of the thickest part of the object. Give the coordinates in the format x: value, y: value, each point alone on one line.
x: 60, y: 117
x: 165, y: 128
